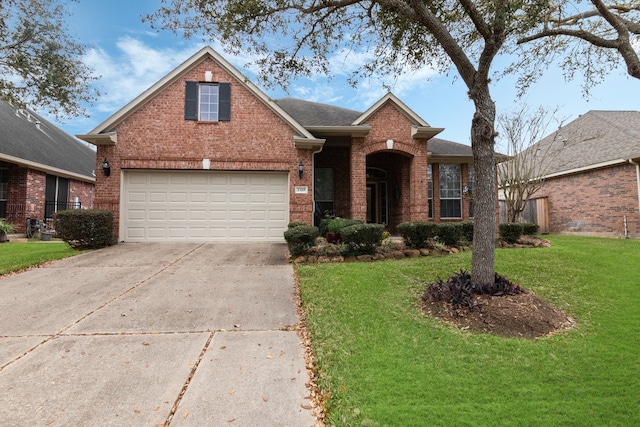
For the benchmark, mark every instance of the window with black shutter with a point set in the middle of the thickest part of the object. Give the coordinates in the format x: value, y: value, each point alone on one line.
x: 207, y: 102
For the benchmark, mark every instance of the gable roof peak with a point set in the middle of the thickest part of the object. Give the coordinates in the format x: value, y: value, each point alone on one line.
x: 194, y: 60
x: 401, y: 106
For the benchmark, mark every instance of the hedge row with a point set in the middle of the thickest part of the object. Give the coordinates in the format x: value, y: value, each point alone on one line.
x: 510, y: 232
x: 421, y: 234
x: 359, y: 238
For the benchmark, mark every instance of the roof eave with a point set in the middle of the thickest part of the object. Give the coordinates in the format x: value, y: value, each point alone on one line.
x: 426, y: 132
x: 586, y: 168
x: 44, y: 168
x: 358, y: 131
x: 308, y: 143
x: 100, y: 139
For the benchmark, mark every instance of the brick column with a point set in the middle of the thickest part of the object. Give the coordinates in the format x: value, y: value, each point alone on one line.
x: 419, y: 205
x: 358, y: 163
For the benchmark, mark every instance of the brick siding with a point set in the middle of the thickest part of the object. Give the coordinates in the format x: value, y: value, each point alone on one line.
x: 594, y: 202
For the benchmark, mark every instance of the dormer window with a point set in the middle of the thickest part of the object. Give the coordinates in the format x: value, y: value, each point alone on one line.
x: 207, y: 102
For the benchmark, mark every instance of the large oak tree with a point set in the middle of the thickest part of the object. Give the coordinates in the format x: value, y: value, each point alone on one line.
x: 298, y: 37
x: 40, y: 63
x: 589, y: 36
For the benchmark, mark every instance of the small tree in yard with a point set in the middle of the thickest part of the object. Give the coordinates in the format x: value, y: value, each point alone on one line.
x: 523, y: 175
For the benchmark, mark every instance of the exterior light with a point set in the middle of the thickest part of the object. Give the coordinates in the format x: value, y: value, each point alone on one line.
x: 105, y: 167
x: 300, y: 170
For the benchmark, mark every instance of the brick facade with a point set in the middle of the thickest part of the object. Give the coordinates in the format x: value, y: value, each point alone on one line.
x: 156, y: 136
x: 595, y: 202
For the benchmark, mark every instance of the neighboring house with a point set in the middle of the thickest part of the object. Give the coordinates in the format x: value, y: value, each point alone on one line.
x: 42, y: 168
x: 592, y: 178
x: 205, y: 155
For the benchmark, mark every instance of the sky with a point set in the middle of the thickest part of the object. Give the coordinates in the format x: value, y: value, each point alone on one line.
x: 129, y: 56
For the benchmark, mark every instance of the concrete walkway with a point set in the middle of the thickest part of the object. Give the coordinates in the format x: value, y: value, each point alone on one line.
x: 154, y: 334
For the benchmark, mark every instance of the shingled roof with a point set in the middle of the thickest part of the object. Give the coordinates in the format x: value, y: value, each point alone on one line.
x: 594, y: 139
x: 29, y: 138
x: 309, y: 113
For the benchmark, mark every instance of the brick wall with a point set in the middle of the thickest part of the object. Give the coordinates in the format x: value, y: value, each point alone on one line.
x: 594, y: 202
x: 156, y: 136
x: 83, y: 191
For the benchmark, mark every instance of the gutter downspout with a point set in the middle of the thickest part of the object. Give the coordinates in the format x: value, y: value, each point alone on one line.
x: 637, y: 179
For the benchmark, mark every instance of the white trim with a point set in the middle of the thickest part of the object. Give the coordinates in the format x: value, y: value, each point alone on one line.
x: 44, y: 168
x: 586, y: 168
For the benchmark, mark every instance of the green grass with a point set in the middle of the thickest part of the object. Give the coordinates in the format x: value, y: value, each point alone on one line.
x: 15, y: 256
x: 382, y: 363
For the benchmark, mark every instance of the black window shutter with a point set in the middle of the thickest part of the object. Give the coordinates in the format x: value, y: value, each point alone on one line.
x: 191, y: 101
x: 224, y: 102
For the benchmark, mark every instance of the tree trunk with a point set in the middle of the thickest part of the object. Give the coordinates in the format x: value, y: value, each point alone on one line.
x: 482, y: 144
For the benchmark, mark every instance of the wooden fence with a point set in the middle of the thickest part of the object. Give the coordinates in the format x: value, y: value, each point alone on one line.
x: 535, y: 211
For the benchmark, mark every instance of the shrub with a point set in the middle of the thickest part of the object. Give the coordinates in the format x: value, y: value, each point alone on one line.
x: 510, y: 232
x: 300, y: 239
x: 362, y: 238
x: 460, y: 291
x: 417, y: 234
x: 336, y: 225
x: 323, y: 227
x: 529, y: 228
x: 466, y: 231
x: 296, y: 224
x: 449, y: 233
x: 85, y: 228
x: 6, y: 227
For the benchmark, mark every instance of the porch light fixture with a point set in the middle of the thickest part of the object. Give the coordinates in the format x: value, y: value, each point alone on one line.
x: 105, y: 167
x: 300, y: 170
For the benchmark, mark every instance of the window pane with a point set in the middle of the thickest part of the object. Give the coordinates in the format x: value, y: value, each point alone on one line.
x: 450, y: 191
x: 208, y: 102
x: 450, y: 208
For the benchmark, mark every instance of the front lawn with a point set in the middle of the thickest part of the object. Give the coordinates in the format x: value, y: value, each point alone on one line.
x: 381, y: 362
x: 15, y: 256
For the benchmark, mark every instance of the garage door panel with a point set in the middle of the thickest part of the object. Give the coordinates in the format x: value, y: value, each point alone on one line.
x: 157, y: 197
x: 204, y: 205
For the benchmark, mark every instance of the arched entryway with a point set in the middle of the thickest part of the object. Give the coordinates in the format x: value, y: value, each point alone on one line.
x: 388, y: 188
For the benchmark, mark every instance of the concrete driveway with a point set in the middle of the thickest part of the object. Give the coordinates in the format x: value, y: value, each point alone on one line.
x: 154, y: 334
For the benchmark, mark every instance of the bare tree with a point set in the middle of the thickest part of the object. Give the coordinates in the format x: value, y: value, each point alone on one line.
x: 523, y: 175
x: 588, y: 36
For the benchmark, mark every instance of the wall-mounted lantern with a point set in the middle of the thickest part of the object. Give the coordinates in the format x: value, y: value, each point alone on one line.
x: 105, y: 167
x: 300, y: 170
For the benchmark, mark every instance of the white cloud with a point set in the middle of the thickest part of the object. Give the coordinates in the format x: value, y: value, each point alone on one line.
x: 130, y: 70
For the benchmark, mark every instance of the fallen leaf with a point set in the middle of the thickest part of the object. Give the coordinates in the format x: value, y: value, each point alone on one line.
x: 269, y: 356
x: 231, y: 420
x: 305, y: 406
x: 232, y: 392
x: 186, y: 414
x: 264, y: 399
x: 146, y: 343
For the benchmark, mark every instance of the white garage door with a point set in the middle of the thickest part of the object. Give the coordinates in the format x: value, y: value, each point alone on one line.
x: 204, y: 205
